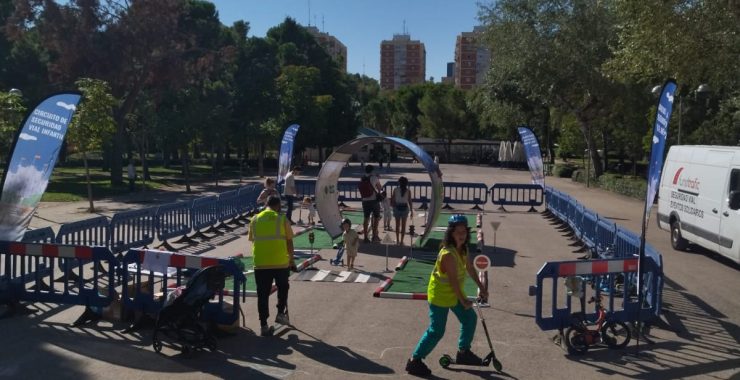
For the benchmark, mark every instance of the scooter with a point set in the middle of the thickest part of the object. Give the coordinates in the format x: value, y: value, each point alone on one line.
x: 446, y: 360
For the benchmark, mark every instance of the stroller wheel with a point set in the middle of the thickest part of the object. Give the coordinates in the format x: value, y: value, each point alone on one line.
x: 211, y: 343
x: 157, y: 344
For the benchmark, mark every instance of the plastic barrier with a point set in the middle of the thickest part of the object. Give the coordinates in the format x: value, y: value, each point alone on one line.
x: 39, y: 235
x: 247, y: 203
x: 140, y: 294
x: 89, y: 232
x: 305, y: 187
x: 621, y: 308
x: 348, y: 191
x: 588, y: 233
x: 421, y: 191
x: 465, y: 193
x: 98, y: 290
x: 517, y: 194
x: 626, y: 243
x: 204, y: 213
x: 131, y: 229
x: 173, y: 220
x: 228, y: 208
x: 605, y: 233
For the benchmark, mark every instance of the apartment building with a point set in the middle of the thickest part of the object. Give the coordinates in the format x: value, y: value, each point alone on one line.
x: 402, y: 62
x: 333, y: 46
x: 472, y: 59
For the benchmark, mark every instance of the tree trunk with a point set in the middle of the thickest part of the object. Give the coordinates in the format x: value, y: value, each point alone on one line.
x: 605, y: 142
x: 548, y: 141
x: 89, y: 185
x: 214, y: 170
x: 186, y: 169
x: 592, y: 151
x: 260, y: 160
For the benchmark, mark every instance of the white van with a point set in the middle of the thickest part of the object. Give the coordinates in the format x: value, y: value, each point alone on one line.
x: 699, y: 198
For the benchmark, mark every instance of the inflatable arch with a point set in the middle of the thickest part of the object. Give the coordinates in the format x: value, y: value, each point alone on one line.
x: 327, y: 197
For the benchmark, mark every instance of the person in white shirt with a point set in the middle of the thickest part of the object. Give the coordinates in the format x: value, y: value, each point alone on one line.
x: 289, y: 191
x: 371, y: 203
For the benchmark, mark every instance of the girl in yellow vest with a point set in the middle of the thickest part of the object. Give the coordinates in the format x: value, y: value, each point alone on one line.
x: 445, y: 292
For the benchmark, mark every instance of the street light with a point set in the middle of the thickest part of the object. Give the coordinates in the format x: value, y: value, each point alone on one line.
x: 702, y: 89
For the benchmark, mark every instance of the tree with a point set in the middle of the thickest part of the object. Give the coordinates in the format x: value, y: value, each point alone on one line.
x: 92, y: 123
x: 444, y: 114
x: 12, y: 111
x: 555, y: 50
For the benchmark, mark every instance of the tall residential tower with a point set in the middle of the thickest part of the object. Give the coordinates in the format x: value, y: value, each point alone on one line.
x: 472, y: 59
x: 402, y: 62
x: 332, y: 45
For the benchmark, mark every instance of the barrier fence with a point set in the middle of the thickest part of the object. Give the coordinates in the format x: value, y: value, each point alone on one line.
x: 144, y: 289
x: 92, y: 288
x: 609, y: 241
x: 520, y: 194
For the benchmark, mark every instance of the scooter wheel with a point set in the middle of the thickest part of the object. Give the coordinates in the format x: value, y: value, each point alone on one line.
x: 445, y: 361
x: 497, y: 365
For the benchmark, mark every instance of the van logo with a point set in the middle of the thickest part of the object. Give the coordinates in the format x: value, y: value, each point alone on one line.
x: 678, y: 174
x: 688, y: 183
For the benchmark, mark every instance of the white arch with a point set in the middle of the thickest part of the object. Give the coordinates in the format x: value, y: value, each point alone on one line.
x: 327, y: 197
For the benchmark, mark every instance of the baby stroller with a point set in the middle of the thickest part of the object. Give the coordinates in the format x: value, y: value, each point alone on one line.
x: 179, y: 320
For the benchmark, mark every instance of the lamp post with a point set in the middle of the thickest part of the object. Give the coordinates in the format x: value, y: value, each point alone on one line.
x: 701, y: 89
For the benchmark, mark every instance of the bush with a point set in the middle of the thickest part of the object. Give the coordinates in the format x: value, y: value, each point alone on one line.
x: 563, y: 171
x: 630, y: 186
x: 580, y: 176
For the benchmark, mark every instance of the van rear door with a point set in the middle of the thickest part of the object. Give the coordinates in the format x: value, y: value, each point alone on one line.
x: 729, y: 235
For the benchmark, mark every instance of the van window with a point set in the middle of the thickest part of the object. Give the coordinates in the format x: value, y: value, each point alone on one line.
x: 734, y: 181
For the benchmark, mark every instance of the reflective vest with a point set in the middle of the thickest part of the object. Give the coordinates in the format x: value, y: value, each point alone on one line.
x: 439, y: 291
x: 270, y: 246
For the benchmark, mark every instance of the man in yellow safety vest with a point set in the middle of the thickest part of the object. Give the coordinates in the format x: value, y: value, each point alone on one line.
x: 272, y: 251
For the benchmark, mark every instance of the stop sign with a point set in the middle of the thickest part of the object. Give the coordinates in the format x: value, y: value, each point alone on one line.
x: 481, y: 262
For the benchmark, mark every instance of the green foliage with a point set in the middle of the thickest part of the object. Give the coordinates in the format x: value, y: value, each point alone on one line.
x: 570, y: 143
x: 635, y: 187
x: 563, y: 171
x: 12, y: 111
x: 444, y: 113
x: 93, y: 120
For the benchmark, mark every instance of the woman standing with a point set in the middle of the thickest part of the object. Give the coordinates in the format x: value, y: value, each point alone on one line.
x: 268, y: 191
x: 401, y: 203
x: 445, y: 292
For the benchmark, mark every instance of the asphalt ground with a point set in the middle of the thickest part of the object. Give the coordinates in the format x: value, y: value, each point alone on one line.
x: 342, y: 332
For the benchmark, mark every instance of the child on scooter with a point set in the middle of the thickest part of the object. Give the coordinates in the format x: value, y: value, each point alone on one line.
x: 444, y: 293
x: 351, y: 243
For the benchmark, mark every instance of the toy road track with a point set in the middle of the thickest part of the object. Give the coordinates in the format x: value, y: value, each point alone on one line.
x: 411, y: 280
x: 302, y: 261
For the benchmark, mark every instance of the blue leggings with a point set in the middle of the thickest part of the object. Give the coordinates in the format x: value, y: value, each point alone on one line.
x: 436, y: 329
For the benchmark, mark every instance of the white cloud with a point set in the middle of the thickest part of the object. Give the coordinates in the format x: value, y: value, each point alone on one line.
x: 66, y: 106
x: 26, y: 136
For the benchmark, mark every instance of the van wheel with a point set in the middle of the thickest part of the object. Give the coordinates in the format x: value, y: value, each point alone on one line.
x: 677, y: 241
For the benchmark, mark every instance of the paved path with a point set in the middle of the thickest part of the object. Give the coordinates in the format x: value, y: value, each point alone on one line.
x: 343, y: 332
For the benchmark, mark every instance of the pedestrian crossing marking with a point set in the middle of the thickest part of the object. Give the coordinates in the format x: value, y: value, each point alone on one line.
x: 323, y: 275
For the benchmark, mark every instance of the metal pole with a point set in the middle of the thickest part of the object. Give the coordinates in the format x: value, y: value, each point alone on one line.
x: 680, y: 116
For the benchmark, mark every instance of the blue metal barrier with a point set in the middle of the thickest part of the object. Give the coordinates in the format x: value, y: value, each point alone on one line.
x: 305, y: 187
x: 173, y: 220
x: 465, y: 193
x: 517, y: 194
x: 204, y: 213
x: 89, y: 232
x: 98, y: 290
x: 132, y: 229
x: 620, y: 308
x: 39, y: 235
x: 247, y: 203
x: 606, y: 231
x: 421, y: 192
x: 139, y: 292
x: 626, y: 243
x: 652, y: 253
x: 588, y: 236
x: 228, y: 208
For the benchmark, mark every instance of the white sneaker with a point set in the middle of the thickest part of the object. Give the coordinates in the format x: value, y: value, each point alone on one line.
x: 283, y: 319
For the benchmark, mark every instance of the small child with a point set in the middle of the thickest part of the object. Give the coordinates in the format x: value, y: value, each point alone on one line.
x: 387, y: 214
x: 311, y: 210
x: 351, y: 243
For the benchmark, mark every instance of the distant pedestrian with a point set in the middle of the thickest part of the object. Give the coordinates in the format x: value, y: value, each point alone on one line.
x: 131, y: 176
x: 268, y: 191
x: 370, y: 191
x: 401, y: 202
x: 351, y: 243
x: 289, y: 191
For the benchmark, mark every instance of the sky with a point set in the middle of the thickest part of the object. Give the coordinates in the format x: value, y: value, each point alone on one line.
x: 362, y: 24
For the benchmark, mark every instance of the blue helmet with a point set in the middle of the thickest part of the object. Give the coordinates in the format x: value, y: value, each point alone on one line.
x: 457, y: 219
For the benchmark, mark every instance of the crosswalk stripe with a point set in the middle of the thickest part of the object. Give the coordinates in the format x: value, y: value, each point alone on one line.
x: 321, y: 275
x: 362, y: 278
x: 342, y: 277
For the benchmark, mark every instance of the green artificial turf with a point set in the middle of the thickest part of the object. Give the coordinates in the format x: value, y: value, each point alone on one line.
x: 435, y: 239
x: 414, y: 277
